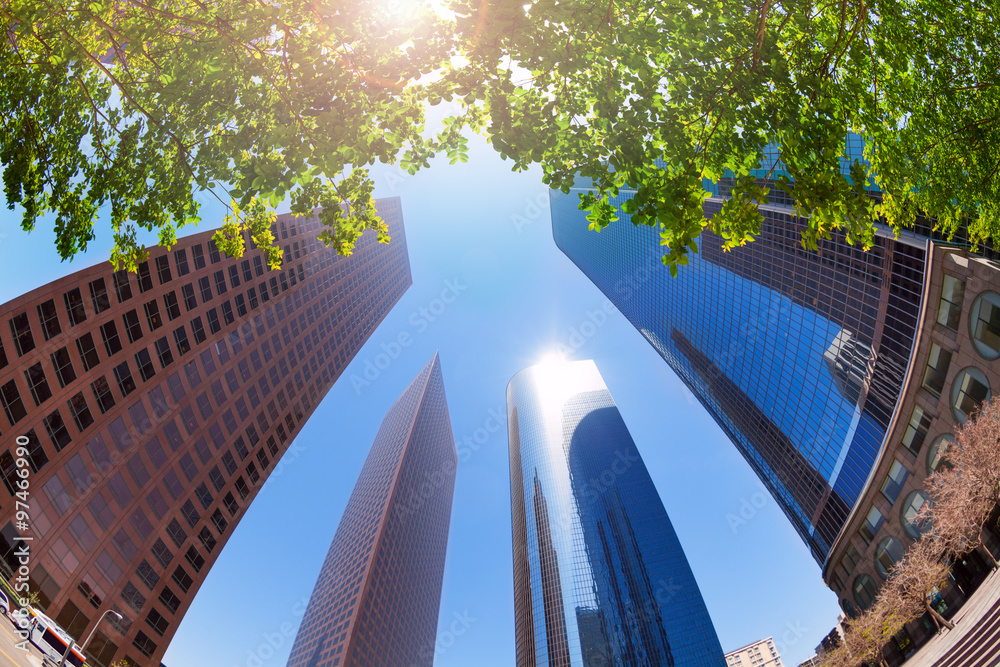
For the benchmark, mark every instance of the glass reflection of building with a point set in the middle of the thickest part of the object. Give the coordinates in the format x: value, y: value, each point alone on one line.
x: 600, y: 578
x: 799, y: 356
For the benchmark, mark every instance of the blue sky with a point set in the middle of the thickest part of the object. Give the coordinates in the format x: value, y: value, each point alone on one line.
x: 483, y: 233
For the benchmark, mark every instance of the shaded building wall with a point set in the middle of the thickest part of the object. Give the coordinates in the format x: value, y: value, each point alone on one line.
x: 154, y: 407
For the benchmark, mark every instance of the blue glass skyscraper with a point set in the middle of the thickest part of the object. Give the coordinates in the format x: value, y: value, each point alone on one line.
x: 798, y: 355
x: 600, y: 578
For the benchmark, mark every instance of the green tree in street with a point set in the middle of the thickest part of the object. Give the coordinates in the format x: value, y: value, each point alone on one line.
x: 658, y: 95
x: 138, y: 106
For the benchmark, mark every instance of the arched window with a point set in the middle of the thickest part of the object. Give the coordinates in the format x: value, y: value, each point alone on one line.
x: 864, y: 591
x: 913, y: 526
x: 984, y: 324
x: 934, y: 455
x: 970, y: 391
x: 889, y: 551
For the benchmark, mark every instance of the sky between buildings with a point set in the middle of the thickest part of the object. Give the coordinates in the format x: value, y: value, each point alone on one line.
x: 493, y: 294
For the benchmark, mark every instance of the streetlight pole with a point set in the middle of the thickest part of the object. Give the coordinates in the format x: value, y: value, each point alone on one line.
x: 83, y: 647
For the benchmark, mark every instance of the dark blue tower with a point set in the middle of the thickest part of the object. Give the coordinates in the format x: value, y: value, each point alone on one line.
x: 600, y: 576
x: 799, y: 356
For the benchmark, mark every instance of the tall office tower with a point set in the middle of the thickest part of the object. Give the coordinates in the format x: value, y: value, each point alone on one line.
x: 599, y: 575
x: 378, y: 594
x: 154, y: 406
x: 799, y: 356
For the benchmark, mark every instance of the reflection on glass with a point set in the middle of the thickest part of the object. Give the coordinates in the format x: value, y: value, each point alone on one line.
x: 600, y: 578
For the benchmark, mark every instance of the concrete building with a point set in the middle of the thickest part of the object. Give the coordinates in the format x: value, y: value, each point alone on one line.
x: 758, y: 654
x: 600, y: 577
x: 378, y: 594
x: 150, y: 409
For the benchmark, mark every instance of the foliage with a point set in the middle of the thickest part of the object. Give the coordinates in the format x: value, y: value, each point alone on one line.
x: 658, y: 95
x: 139, y: 106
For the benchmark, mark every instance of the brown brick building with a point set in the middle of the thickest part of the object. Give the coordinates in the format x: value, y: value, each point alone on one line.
x: 154, y: 406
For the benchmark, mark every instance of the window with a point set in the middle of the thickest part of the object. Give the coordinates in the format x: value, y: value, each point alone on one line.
x: 229, y: 462
x: 205, y: 287
x: 88, y: 351
x: 145, y: 278
x: 894, y: 481
x: 99, y: 296
x: 241, y: 305
x: 10, y: 397
x: 262, y: 458
x: 231, y: 505
x: 188, y: 467
x: 247, y: 274
x: 181, y: 339
x: 195, y: 559
x: 871, y: 525
x: 161, y: 553
x: 157, y: 622
x: 198, y: 331
x: 217, y: 479
x: 190, y: 301
x: 198, y: 254
x: 968, y: 393
x: 133, y: 598
x: 176, y: 533
x: 190, y: 513
x: 204, y: 495
x: 227, y: 312
x: 916, y: 430
x: 141, y: 523
x: 213, y: 251
x: 914, y: 525
x: 213, y: 321
x: 80, y: 411
x: 56, y: 428
x: 207, y: 539
x: 258, y: 266
x: 123, y: 288
x: 171, y: 306
x: 234, y: 276
x: 126, y: 385
x: 937, y: 369
x: 109, y: 334
x: 220, y: 282
x: 102, y: 393
x: 144, y: 644
x: 63, y: 365
x: 137, y: 469
x: 163, y: 352
x: 984, y: 324
x: 264, y: 296
x: 889, y: 551
x: 242, y: 488
x: 20, y: 331
x: 37, y: 383
x: 49, y: 318
x: 132, y: 328
x: 74, y: 306
x: 152, y: 310
x: 147, y: 575
x: 950, y: 307
x: 935, y: 456
x: 182, y: 579
x: 181, y: 260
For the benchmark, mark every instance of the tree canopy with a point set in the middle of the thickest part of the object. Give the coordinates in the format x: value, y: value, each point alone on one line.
x: 137, y: 106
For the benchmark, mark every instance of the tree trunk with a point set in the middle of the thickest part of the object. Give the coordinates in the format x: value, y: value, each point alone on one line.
x: 985, y: 553
x: 938, y: 619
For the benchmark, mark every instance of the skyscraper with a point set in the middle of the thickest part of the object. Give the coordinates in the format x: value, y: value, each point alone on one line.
x: 599, y: 574
x: 799, y: 356
x: 378, y: 594
x: 154, y: 406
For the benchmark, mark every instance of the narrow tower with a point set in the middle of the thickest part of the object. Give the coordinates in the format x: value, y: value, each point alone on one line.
x: 377, y: 597
x: 599, y: 575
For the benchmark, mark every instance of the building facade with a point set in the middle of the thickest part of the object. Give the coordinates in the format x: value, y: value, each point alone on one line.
x: 758, y: 654
x: 149, y: 410
x: 600, y: 577
x: 378, y: 594
x: 799, y: 356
